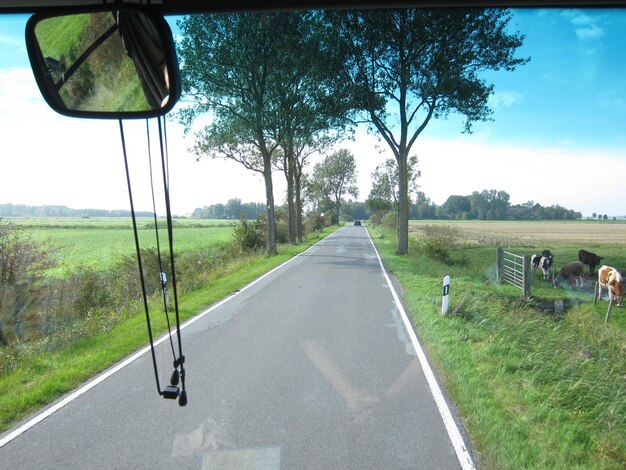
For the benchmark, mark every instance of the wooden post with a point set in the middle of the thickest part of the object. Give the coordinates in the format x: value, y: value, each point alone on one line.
x: 608, y: 312
x: 595, y: 293
x: 526, y: 277
x: 500, y: 263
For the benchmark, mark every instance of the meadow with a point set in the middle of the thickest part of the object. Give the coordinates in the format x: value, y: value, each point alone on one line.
x: 99, y: 243
x: 534, y: 389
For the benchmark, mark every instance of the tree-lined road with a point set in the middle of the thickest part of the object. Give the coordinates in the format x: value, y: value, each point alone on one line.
x: 310, y: 367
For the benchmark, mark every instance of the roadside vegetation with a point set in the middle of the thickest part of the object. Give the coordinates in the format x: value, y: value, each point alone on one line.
x: 59, y: 328
x: 535, y: 390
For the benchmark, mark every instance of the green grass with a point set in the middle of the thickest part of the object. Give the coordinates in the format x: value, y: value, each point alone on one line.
x: 100, y: 242
x: 535, y: 391
x: 47, y: 376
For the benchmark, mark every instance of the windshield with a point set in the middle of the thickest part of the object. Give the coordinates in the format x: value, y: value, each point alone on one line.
x: 394, y: 238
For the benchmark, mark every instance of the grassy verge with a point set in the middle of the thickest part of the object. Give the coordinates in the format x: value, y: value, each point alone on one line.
x: 535, y: 391
x: 46, y: 377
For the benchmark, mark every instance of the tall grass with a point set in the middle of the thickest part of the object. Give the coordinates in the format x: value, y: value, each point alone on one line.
x: 535, y: 390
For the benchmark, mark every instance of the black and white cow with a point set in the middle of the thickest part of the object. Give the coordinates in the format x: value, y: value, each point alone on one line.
x: 590, y: 259
x: 543, y: 261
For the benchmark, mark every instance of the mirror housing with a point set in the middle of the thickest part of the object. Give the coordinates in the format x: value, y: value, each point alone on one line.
x: 104, y: 63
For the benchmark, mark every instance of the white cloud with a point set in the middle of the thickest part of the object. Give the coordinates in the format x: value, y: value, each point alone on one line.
x: 12, y: 41
x: 581, y: 19
x: 592, y: 31
x: 585, y: 27
x: 505, y: 99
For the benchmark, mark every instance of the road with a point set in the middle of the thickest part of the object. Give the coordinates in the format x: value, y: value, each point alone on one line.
x: 310, y: 367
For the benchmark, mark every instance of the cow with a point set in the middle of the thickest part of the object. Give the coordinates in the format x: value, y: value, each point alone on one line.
x: 590, y: 259
x: 610, y: 279
x: 572, y: 273
x: 543, y: 261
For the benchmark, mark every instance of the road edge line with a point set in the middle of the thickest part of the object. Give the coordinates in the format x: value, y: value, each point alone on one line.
x: 105, y: 375
x: 456, y: 438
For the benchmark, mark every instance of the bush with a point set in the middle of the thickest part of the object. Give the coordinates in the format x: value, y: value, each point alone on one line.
x: 23, y: 266
x: 247, y: 235
x: 282, y: 225
x: 377, y: 217
x: 315, y: 221
x: 437, y: 239
x: 390, y: 220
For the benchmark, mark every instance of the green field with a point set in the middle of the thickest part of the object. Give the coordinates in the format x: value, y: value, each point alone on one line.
x: 100, y: 242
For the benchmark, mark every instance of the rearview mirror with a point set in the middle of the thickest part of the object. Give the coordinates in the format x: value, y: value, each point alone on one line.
x: 104, y: 64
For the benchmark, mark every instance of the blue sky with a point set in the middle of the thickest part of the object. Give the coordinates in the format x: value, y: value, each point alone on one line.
x: 558, y: 135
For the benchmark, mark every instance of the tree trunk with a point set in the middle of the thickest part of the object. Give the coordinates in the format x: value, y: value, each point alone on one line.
x: 337, y: 205
x: 297, y: 183
x: 269, y: 197
x: 290, y: 199
x: 403, y: 203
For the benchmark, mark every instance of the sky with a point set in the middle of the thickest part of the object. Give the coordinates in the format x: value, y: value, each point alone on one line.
x: 558, y: 134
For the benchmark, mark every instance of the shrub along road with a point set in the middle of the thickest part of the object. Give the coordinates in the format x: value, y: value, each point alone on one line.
x: 310, y: 366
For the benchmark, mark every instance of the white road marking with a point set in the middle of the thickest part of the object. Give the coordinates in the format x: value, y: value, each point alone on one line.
x: 101, y: 378
x: 465, y: 459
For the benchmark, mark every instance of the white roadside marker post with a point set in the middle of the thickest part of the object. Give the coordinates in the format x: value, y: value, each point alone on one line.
x: 445, y: 304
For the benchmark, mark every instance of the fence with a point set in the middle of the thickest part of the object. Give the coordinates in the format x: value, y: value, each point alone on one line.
x: 515, y: 270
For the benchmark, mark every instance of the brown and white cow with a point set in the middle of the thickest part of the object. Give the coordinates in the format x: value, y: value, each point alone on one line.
x: 610, y: 279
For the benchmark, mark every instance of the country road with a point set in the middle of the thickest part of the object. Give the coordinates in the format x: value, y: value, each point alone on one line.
x: 309, y: 367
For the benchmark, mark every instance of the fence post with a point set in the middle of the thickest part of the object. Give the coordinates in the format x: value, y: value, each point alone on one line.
x: 500, y: 263
x: 558, y: 307
x: 608, y: 312
x: 445, y: 304
x: 526, y: 277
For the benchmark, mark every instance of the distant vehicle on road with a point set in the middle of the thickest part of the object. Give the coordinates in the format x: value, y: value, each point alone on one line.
x: 357, y: 223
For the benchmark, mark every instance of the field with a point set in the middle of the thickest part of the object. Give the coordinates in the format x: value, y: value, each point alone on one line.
x: 534, y: 233
x: 100, y: 242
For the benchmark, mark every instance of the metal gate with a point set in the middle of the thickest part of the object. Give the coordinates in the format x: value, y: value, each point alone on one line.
x: 515, y: 270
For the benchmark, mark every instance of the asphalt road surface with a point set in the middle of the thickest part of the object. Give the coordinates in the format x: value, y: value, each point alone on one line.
x: 310, y: 367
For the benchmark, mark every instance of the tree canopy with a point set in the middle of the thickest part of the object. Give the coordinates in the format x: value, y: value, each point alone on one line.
x: 333, y: 178
x: 407, y: 66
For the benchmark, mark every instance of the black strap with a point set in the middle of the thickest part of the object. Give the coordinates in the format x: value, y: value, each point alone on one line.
x: 139, y: 263
x: 178, y: 363
x: 172, y: 391
x: 156, y: 230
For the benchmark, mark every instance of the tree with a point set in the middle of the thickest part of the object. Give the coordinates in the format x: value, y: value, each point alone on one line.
x: 310, y: 119
x: 355, y: 210
x: 231, y: 64
x: 489, y: 204
x: 424, y: 207
x: 333, y: 178
x: 455, y: 206
x: 426, y: 63
x: 385, y: 192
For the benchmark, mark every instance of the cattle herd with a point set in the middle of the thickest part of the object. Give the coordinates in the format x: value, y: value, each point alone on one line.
x: 572, y: 274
